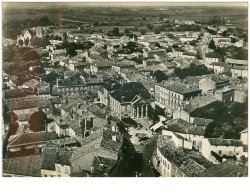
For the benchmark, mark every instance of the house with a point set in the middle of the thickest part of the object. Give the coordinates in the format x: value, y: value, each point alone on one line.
x: 213, y: 82
x: 211, y: 58
x: 184, y: 135
x: 228, y: 168
x: 216, y: 149
x: 239, y: 71
x: 235, y: 62
x: 103, y: 142
x: 30, y: 141
x: 103, y: 93
x: 173, y: 161
x: 131, y: 100
x: 244, y: 136
x: 171, y: 95
x: 191, y: 106
x: 55, y: 160
x: 23, y: 166
x: 29, y: 106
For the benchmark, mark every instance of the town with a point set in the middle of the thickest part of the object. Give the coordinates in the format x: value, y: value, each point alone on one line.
x: 125, y: 92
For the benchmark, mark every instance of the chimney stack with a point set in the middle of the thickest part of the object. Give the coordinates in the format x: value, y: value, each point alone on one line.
x: 114, y: 138
x: 113, y: 128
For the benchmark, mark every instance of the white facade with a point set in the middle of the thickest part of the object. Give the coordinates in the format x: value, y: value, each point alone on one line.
x: 207, y: 148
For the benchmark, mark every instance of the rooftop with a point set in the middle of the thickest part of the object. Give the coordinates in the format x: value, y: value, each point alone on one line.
x: 191, y: 162
x: 224, y: 142
x: 228, y: 168
x: 181, y: 126
x: 199, y: 102
x: 179, y: 87
x: 32, y: 138
x: 128, y: 91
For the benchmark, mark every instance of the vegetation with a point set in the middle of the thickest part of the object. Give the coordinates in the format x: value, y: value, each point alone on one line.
x: 38, y: 121
x: 193, y: 70
x: 229, y: 121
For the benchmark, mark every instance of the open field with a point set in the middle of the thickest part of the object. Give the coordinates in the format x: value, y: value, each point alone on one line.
x: 236, y: 16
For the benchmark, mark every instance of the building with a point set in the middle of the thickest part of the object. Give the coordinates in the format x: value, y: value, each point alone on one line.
x: 103, y: 142
x: 173, y: 161
x: 216, y: 149
x: 228, y: 168
x: 171, y: 95
x: 213, y: 82
x: 244, y: 136
x: 31, y: 141
x: 131, y: 100
x: 191, y: 106
x: 184, y: 134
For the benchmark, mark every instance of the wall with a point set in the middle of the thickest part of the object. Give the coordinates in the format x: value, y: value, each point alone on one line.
x: 244, y: 138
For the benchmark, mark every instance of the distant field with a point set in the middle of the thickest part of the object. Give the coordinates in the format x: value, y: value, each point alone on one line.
x: 237, y: 16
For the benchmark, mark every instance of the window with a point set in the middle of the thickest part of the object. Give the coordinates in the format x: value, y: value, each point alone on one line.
x: 220, y: 152
x: 194, y: 143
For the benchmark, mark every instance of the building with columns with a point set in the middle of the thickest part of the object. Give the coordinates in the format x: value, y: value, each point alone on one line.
x: 131, y: 100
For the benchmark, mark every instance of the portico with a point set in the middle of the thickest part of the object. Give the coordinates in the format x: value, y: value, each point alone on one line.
x: 139, y: 110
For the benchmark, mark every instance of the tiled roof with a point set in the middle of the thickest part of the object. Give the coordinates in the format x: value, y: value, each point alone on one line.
x: 192, y: 163
x: 181, y: 126
x: 26, y: 104
x: 101, y: 138
x: 202, y: 121
x: 199, y: 102
x: 224, y: 142
x: 229, y: 168
x: 31, y: 83
x: 25, y: 165
x: 51, y: 155
x: 129, y: 91
x: 244, y: 131
x: 106, y: 163
x: 33, y: 138
x: 179, y: 87
x: 234, y: 61
x: 68, y: 141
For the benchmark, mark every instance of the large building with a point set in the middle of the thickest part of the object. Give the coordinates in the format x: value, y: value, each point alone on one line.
x: 172, y: 95
x: 131, y: 100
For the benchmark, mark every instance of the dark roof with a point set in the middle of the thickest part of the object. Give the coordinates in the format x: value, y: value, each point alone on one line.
x: 103, y: 165
x: 128, y: 91
x: 101, y: 138
x: 228, y: 168
x: 202, y: 121
x: 181, y: 126
x: 31, y: 103
x: 25, y: 165
x: 199, y: 102
x: 33, y: 138
x: 51, y: 155
x: 179, y: 87
x: 224, y: 142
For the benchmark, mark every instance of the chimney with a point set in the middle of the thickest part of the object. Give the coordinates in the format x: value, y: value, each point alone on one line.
x: 113, y: 128
x: 114, y: 138
x: 79, y: 122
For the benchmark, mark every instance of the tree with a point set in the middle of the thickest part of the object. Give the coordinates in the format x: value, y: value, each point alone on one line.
x: 26, y: 41
x: 143, y: 31
x: 20, y: 42
x: 157, y: 30
x: 126, y: 31
x: 115, y: 31
x: 211, y: 45
x: 37, y: 121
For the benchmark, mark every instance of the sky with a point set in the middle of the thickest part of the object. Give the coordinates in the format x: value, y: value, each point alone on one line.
x: 22, y: 5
